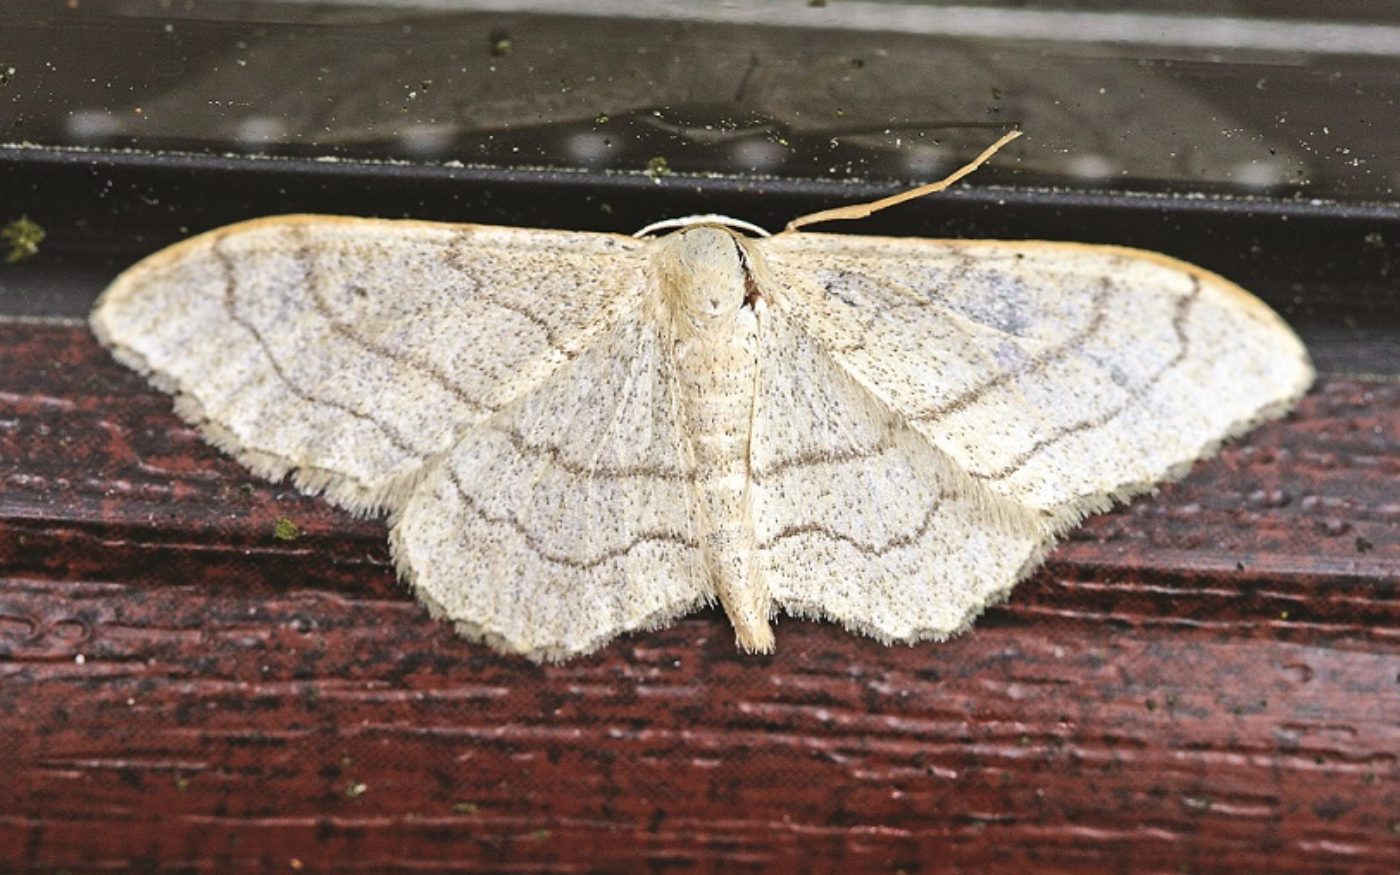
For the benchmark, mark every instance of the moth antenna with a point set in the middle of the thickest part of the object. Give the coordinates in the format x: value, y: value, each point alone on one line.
x: 860, y: 211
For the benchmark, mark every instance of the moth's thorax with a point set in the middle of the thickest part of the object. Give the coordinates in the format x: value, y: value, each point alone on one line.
x: 706, y: 277
x: 708, y: 289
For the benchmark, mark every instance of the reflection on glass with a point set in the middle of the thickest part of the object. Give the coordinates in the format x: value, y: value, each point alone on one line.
x: 1269, y: 99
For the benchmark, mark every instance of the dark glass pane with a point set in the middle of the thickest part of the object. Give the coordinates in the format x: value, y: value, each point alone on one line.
x: 1257, y: 97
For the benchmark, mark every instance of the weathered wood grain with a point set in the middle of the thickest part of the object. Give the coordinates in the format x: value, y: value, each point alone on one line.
x: 1206, y: 681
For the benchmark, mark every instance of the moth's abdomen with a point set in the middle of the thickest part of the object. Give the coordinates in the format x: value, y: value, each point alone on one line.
x: 717, y: 371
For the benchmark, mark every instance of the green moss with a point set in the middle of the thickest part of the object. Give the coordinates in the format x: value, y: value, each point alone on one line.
x: 658, y: 166
x: 285, y: 530
x: 21, y: 239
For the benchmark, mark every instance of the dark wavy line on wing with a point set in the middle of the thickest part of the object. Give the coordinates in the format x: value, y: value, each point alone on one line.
x: 862, y: 547
x: 452, y: 257
x: 395, y: 437
x: 661, y: 537
x: 556, y: 457
x: 1036, y: 364
x: 1183, y: 309
x: 821, y: 457
x: 347, y: 331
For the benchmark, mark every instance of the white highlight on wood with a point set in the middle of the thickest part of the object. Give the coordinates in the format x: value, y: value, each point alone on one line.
x: 578, y: 435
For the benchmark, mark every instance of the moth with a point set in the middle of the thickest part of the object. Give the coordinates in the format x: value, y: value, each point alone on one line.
x: 577, y: 435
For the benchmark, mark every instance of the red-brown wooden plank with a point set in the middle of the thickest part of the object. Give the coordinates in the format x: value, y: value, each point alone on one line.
x: 1207, y: 680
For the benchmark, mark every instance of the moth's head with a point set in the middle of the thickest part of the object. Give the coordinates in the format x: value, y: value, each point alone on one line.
x: 706, y: 271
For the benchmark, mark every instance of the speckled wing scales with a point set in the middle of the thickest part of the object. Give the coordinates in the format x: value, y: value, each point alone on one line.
x: 565, y: 518
x: 858, y: 518
x: 1060, y: 376
x: 348, y: 351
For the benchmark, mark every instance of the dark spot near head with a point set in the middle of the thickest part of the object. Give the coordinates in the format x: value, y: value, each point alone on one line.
x: 751, y: 292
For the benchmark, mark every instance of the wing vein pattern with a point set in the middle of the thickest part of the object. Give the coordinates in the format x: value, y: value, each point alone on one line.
x: 1060, y: 375
x: 230, y: 299
x: 566, y: 517
x: 367, y: 353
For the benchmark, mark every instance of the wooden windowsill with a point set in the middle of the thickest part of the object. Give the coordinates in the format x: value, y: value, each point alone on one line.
x: 1204, y: 679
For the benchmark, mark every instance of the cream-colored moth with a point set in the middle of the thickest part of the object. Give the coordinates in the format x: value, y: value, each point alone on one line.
x: 582, y: 434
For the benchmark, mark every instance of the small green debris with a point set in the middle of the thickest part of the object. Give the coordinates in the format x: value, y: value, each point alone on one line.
x: 355, y: 790
x: 500, y: 44
x: 602, y: 119
x: 7, y: 76
x: 245, y: 490
x: 1363, y: 545
x: 658, y: 166
x: 182, y: 783
x: 285, y: 530
x: 541, y: 834
x: 464, y: 808
x: 1374, y: 240
x: 1151, y: 704
x: 21, y: 238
